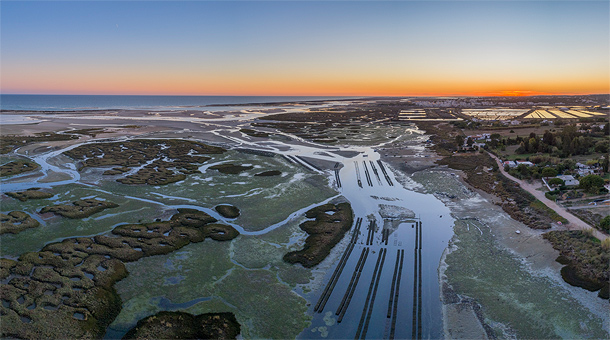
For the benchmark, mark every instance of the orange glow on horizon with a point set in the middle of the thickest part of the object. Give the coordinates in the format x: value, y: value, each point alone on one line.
x: 253, y: 83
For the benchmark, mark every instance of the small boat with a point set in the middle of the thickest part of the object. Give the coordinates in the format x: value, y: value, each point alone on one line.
x: 518, y: 231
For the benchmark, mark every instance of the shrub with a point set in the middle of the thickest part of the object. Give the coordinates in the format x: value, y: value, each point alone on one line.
x: 604, y: 224
x: 606, y: 244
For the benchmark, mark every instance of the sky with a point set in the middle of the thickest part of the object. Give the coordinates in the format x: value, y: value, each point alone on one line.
x: 335, y: 48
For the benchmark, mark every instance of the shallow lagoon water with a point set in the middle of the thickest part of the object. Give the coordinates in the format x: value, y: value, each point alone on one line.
x: 210, y: 276
x: 436, y: 231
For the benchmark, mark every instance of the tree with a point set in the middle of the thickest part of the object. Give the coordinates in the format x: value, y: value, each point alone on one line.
x: 549, y: 172
x: 602, y: 146
x: 592, y: 183
x: 459, y: 140
x: 469, y: 141
x: 556, y: 181
x: 533, y: 145
x: 524, y: 171
x: 548, y: 138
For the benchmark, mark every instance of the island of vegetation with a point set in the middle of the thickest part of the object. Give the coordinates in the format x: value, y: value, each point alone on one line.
x: 16, y: 221
x: 79, y: 209
x: 227, y: 210
x: 181, y: 325
x: 585, y: 259
x: 17, y: 167
x: 160, y: 161
x: 229, y: 168
x: 30, y: 194
x: 66, y: 289
x: 330, y: 224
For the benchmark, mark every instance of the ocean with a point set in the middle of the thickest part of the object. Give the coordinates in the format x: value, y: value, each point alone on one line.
x: 28, y: 102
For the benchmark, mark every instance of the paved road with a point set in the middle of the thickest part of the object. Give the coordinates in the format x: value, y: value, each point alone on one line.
x: 575, y: 222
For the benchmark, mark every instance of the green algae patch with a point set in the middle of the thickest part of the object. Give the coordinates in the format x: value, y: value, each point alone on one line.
x: 530, y: 306
x: 256, y: 253
x: 162, y: 161
x: 324, y: 233
x: 66, y: 290
x: 230, y: 168
x: 198, y: 265
x: 54, y: 227
x: 263, y: 201
x: 79, y: 209
x: 227, y: 210
x: 180, y: 325
x: 270, y: 309
x: 269, y: 173
x: 16, y: 221
x: 215, y: 270
x: 17, y: 167
x: 586, y: 260
x: 30, y: 194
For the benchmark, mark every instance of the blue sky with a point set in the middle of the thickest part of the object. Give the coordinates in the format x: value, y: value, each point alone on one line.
x: 304, y: 47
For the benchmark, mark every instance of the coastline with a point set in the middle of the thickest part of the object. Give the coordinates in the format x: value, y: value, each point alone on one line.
x: 413, y: 164
x: 464, y: 316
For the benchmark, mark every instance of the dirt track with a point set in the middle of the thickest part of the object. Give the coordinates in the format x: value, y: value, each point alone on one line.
x: 575, y: 222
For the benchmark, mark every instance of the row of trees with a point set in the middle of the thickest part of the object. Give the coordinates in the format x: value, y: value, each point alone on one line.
x: 562, y: 144
x: 566, y: 143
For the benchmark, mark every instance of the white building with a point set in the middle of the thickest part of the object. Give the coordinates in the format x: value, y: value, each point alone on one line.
x: 568, y: 179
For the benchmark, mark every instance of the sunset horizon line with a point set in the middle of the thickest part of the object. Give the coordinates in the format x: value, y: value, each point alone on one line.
x: 486, y: 94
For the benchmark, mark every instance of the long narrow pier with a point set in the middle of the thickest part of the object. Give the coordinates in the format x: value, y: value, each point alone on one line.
x: 319, y: 307
x: 358, y: 174
x: 356, y: 233
x: 371, y: 232
x: 385, y: 173
x: 337, y: 175
x: 367, y: 311
x: 396, y: 292
x: 295, y: 160
x: 288, y: 159
x: 375, y: 172
x: 367, y: 174
x: 391, y: 303
x: 414, y: 323
x: 385, y: 236
x: 351, y: 288
x: 419, y: 278
x: 416, y: 326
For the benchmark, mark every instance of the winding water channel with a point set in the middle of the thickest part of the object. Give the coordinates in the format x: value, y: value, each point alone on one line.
x: 384, y: 277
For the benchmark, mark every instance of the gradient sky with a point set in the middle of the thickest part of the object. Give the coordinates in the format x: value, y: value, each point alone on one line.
x: 305, y: 48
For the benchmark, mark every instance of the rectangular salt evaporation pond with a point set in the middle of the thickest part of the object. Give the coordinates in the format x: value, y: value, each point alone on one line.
x: 436, y: 231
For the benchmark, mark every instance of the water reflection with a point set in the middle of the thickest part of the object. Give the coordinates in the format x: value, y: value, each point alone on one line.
x: 388, y: 286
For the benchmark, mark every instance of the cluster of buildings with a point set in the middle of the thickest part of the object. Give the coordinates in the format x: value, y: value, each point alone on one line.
x: 478, y: 141
x: 514, y: 164
x: 584, y: 170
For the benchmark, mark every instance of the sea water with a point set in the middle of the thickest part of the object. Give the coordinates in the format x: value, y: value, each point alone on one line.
x: 26, y: 102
